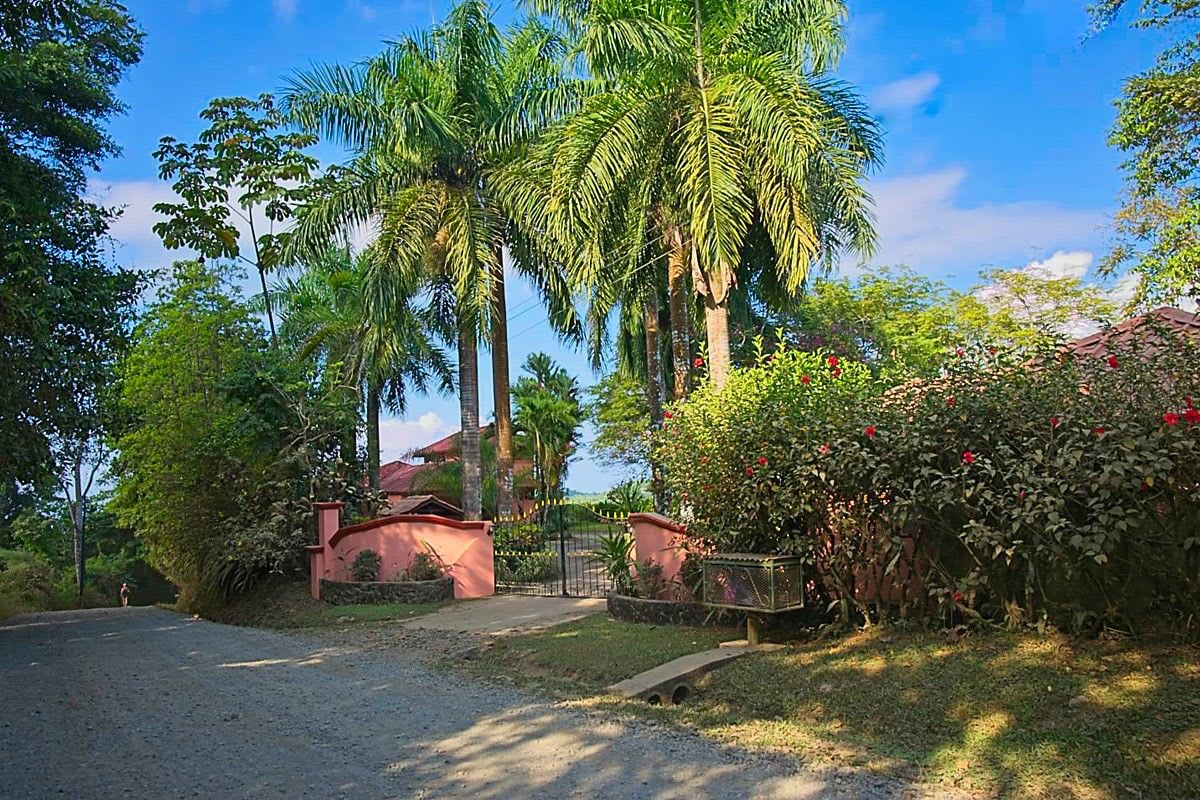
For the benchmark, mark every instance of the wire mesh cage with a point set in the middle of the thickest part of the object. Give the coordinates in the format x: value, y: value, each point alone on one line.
x: 752, y: 582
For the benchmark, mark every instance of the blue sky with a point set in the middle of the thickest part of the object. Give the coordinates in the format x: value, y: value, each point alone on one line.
x: 996, y: 114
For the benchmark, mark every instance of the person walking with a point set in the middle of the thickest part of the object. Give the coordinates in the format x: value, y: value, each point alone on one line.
x: 124, y: 595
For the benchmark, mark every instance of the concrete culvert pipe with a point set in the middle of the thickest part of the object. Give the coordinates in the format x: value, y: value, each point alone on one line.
x: 654, y: 699
x: 681, y: 693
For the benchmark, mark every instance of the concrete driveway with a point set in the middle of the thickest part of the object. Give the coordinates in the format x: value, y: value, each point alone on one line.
x: 144, y: 703
x: 507, y: 614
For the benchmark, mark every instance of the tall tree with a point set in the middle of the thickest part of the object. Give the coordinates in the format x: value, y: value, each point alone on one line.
x: 714, y: 120
x: 381, y: 347
x: 427, y: 121
x: 1158, y: 127
x: 64, y: 310
x: 549, y: 413
x: 245, y: 171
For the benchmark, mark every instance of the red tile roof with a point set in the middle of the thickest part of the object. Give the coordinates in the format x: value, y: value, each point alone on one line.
x: 1141, y: 327
x: 397, y: 477
x: 426, y: 504
x: 447, y: 446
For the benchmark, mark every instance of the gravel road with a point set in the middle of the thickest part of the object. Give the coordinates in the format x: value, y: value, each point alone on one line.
x: 144, y: 703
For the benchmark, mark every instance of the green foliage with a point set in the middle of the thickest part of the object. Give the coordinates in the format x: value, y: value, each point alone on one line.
x: 614, y: 552
x: 245, y: 166
x: 627, y: 497
x: 1156, y: 127
x: 426, y: 566
x: 226, y: 443
x: 64, y: 311
x: 648, y: 579
x: 535, y: 567
x: 1060, y: 491
x: 365, y: 567
x: 618, y: 407
x: 548, y: 413
x: 27, y: 583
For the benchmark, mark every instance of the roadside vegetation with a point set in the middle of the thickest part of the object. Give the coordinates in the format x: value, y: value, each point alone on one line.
x: 286, y: 604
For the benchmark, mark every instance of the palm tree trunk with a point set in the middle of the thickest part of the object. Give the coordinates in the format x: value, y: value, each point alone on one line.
x: 677, y: 266
x: 654, y: 395
x: 500, y: 393
x: 468, y: 403
x: 716, y: 321
x: 373, y: 435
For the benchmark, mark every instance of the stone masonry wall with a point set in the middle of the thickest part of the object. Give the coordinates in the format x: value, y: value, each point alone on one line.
x: 342, y: 593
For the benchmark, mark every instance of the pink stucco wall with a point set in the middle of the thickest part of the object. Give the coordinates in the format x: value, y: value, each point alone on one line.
x: 657, y: 538
x: 466, y: 547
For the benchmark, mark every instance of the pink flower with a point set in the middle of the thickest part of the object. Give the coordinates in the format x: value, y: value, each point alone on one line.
x: 762, y: 461
x: 869, y: 431
x: 749, y: 470
x: 959, y: 352
x: 698, y: 363
x: 823, y: 449
x: 968, y: 457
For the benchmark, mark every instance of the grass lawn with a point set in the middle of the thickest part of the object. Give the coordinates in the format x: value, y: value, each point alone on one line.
x: 581, y: 658
x: 1009, y: 715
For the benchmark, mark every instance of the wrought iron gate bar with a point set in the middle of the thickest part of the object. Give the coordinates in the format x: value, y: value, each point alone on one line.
x: 549, y: 551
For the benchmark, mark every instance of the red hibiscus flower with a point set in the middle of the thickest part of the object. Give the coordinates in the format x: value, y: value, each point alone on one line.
x: 823, y: 449
x: 1145, y: 486
x: 1021, y: 495
x: 805, y: 380
x: 959, y: 352
x: 1187, y: 401
x: 1055, y: 422
x: 762, y: 461
x: 1113, y: 362
x: 833, y: 361
x: 1191, y: 416
x: 666, y: 415
x: 968, y: 457
x: 1099, y: 431
x: 698, y: 363
x: 1171, y: 419
x: 749, y: 470
x: 958, y: 596
x: 992, y: 351
x: 869, y: 431
x: 950, y: 402
x: 837, y: 372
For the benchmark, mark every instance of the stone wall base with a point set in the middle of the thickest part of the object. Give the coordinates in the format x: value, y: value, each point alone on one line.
x: 668, y: 612
x: 343, y: 593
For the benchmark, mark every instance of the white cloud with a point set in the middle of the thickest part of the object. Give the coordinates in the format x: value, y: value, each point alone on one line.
x: 1063, y: 264
x: 284, y: 9
x: 923, y: 223
x: 399, y: 437
x: 902, y: 96
x: 133, y: 231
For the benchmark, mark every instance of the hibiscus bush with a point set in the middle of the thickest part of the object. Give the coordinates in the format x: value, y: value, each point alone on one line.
x: 1061, y: 490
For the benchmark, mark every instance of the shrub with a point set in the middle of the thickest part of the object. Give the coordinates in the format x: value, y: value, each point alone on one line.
x: 535, y: 567
x: 614, y: 553
x: 366, y: 566
x: 27, y: 583
x: 427, y: 566
x: 649, y: 581
x: 1066, y: 490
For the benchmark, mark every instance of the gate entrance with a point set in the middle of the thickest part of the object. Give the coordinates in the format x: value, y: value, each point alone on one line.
x: 550, y: 551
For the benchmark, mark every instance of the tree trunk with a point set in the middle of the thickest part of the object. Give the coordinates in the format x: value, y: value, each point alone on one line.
x: 677, y: 293
x: 262, y: 277
x: 77, y: 511
x: 654, y: 396
x: 716, y: 321
x: 373, y: 435
x: 500, y: 393
x: 468, y: 402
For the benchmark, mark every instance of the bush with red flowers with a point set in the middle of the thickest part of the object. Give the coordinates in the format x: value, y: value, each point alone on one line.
x: 1062, y: 491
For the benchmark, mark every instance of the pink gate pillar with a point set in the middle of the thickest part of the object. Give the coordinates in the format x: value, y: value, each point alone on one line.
x: 658, y: 538
x: 329, y: 519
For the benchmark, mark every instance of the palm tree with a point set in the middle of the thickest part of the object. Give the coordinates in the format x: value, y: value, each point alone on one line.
x: 379, y: 349
x: 712, y: 122
x: 427, y: 121
x: 549, y: 414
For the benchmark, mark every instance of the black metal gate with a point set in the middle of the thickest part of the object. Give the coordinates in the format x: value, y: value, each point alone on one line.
x: 550, y: 551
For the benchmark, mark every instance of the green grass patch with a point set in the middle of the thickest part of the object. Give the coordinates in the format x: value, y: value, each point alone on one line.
x: 323, y: 614
x: 582, y: 657
x: 1006, y: 714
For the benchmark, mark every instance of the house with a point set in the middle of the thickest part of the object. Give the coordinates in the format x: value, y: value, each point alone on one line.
x: 1142, y: 328
x: 404, y: 482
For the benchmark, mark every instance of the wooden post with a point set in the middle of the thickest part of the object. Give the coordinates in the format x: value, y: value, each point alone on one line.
x: 753, y: 630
